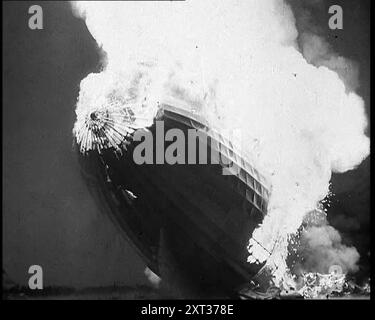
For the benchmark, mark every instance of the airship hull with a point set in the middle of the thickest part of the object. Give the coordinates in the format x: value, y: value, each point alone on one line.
x: 189, y: 219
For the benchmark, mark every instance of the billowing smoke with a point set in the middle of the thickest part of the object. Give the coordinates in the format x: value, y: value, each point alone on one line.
x: 320, y: 248
x: 317, y: 51
x: 315, y: 48
x: 238, y: 64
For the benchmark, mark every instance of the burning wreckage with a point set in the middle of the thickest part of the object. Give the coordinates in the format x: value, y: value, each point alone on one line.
x: 189, y: 223
x: 216, y: 224
x: 192, y: 220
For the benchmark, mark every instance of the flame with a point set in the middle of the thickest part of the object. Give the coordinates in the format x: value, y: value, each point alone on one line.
x: 318, y: 285
x: 109, y: 110
x: 330, y: 285
x: 237, y: 63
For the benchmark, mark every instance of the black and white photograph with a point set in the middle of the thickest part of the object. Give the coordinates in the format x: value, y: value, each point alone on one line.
x: 214, y: 150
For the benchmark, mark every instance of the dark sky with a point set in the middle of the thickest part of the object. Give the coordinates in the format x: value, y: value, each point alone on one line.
x: 49, y: 217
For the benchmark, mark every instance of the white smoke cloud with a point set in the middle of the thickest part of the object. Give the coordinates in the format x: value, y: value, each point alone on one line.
x: 322, y: 248
x: 314, y: 46
x: 238, y: 63
x: 317, y: 51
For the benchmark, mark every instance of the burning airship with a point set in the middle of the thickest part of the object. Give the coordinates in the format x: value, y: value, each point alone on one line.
x: 192, y: 217
x: 194, y: 70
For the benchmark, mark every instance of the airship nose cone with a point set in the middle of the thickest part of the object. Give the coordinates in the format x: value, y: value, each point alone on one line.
x: 93, y: 116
